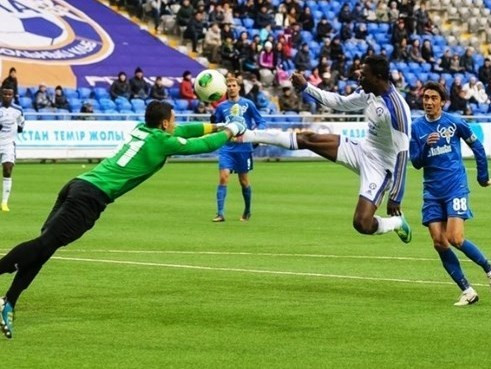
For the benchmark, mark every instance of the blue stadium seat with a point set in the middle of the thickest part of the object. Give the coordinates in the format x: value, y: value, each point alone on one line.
x: 22, y: 91
x: 312, y: 5
x: 30, y: 114
x: 483, y: 108
x: 422, y: 76
x: 123, y: 104
x: 25, y: 102
x: 237, y: 22
x: 434, y: 76
x: 181, y: 104
x: 174, y: 92
x: 383, y: 28
x: 101, y: 92
x: 46, y: 114
x: 318, y: 15
x: 248, y: 23
x: 170, y: 101
x: 84, y: 92
x: 75, y: 104
x: 127, y: 114
x: 70, y: 92
x: 389, y: 48
x: 415, y: 67
x: 107, y: 104
x: 438, y: 40
x: 426, y: 67
x: 306, y: 36
x: 193, y: 104
x: 138, y: 104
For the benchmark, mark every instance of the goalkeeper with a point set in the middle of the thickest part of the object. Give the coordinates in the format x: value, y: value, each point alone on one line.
x: 82, y: 200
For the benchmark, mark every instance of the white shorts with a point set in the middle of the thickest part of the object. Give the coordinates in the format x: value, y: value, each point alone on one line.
x: 374, y: 178
x: 7, y: 153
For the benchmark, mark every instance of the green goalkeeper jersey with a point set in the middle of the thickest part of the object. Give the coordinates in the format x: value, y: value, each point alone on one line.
x: 145, y: 152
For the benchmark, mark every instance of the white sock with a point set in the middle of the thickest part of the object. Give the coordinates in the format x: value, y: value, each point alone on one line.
x: 388, y: 224
x: 288, y: 140
x: 7, y: 186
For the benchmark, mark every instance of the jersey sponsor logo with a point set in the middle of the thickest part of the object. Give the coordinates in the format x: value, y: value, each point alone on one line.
x: 379, y: 111
x: 439, y: 150
x: 372, y: 186
x: 51, y: 32
x: 447, y: 132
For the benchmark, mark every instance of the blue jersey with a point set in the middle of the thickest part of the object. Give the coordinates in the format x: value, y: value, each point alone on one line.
x: 444, y: 172
x: 248, y: 111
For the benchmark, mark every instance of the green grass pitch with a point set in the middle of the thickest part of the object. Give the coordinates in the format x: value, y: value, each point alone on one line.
x: 157, y: 285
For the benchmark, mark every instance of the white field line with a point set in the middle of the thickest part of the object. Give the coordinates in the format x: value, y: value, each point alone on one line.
x: 237, y: 253
x: 255, y: 271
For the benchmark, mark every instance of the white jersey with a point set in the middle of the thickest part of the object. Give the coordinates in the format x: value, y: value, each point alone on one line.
x: 11, y: 119
x: 389, y: 128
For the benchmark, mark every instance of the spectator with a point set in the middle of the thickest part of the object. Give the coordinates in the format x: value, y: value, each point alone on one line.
x: 393, y: 12
x: 212, y: 43
x: 422, y: 19
x: 184, y: 14
x: 325, y: 50
x: 446, y: 61
x: 427, y: 52
x: 217, y: 14
x: 413, y: 98
x: 457, y: 96
x: 227, y: 32
x: 289, y: 101
x: 186, y: 91
x: 485, y: 71
x: 415, y: 52
x: 120, y: 87
x: 266, y: 57
x: 397, y: 79
x: 293, y: 35
x: 455, y: 66
x: 248, y: 9
x: 263, y: 18
x: 327, y: 83
x: 401, y: 51
x: 346, y: 32
x: 369, y: 11
x: 11, y: 81
x: 382, y: 12
x: 61, y: 101
x: 229, y: 55
x: 250, y: 61
x: 344, y: 15
x: 474, y: 91
x: 336, y: 49
x: 406, y: 11
x: 399, y: 32
x: 357, y: 13
x: 354, y: 69
x: 138, y: 86
x: 324, y: 28
x: 157, y: 7
x: 202, y: 108
x: 306, y: 19
x: 281, y: 19
x: 158, y: 91
x: 315, y: 78
x: 292, y: 4
x: 361, y: 32
x: 42, y: 100
x: 86, y: 109
x: 302, y: 58
x: 195, y: 30
x: 264, y: 33
x: 293, y: 15
x: 467, y: 60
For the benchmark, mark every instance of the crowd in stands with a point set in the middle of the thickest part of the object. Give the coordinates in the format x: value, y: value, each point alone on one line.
x: 326, y: 40
x: 263, y: 41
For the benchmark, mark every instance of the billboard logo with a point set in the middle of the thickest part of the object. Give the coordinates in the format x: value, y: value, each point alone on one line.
x: 50, y: 31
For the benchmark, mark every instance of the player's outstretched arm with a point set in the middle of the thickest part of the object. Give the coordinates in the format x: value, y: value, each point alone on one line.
x: 358, y: 100
x: 194, y: 130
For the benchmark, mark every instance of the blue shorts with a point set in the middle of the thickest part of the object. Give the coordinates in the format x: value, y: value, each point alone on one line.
x: 441, y: 210
x: 236, y: 162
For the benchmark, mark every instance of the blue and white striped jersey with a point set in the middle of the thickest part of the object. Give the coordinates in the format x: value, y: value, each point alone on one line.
x: 389, y: 128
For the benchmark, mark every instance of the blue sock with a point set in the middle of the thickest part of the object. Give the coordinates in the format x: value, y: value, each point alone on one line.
x: 247, y: 194
x: 452, y: 266
x: 472, y: 252
x: 221, y: 194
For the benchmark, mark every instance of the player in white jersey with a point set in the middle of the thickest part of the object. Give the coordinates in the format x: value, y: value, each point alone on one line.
x: 380, y: 159
x: 11, y: 122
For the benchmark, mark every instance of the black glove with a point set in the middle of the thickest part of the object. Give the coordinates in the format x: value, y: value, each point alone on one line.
x: 1, y: 127
x: 20, y: 129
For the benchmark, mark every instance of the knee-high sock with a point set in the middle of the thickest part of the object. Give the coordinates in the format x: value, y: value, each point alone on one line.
x: 247, y: 194
x: 7, y: 187
x: 387, y: 224
x: 221, y: 195
x: 288, y: 140
x: 475, y: 254
x: 452, y: 266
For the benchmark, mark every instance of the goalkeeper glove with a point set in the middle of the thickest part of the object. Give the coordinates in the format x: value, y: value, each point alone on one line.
x: 236, y: 127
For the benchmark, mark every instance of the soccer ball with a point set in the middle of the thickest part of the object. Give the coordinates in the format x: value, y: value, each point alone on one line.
x: 210, y: 85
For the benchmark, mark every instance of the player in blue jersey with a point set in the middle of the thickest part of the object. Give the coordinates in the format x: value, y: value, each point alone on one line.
x: 435, y: 147
x: 236, y: 157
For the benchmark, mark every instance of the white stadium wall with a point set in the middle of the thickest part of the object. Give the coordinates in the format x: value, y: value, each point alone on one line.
x: 58, y: 139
